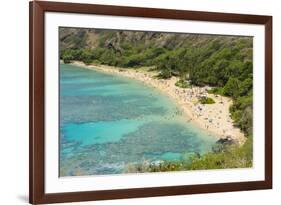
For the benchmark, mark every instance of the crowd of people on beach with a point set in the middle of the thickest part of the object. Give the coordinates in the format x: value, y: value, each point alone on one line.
x: 213, y: 117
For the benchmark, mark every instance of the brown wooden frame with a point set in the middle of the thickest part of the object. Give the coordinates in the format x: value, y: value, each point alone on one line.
x: 37, y: 9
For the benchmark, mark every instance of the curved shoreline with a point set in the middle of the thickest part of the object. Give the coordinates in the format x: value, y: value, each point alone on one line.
x: 213, y: 118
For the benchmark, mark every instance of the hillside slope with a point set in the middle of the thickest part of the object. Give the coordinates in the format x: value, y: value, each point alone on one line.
x: 224, y: 62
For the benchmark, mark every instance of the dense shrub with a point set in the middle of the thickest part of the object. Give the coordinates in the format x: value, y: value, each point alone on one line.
x: 206, y: 100
x: 231, y: 156
x: 182, y: 84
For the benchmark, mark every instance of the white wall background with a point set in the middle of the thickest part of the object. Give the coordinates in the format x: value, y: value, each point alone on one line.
x: 14, y: 100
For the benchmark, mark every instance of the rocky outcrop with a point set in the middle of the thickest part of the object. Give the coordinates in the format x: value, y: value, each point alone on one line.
x: 222, y: 143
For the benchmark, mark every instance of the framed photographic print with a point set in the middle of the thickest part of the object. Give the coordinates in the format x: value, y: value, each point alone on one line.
x: 139, y: 102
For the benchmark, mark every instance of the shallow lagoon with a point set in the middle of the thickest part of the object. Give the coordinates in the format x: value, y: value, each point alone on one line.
x: 108, y: 122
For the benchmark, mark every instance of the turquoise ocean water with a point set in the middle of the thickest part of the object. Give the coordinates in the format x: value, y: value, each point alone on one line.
x: 108, y: 122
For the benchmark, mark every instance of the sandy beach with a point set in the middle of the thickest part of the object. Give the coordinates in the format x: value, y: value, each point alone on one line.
x: 214, y: 118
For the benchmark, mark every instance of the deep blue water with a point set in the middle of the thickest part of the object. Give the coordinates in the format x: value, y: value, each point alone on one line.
x: 108, y: 122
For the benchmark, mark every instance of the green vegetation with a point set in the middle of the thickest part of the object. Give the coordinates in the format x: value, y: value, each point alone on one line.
x: 216, y: 90
x: 229, y: 156
x: 182, y: 84
x: 223, y: 62
x: 206, y: 100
